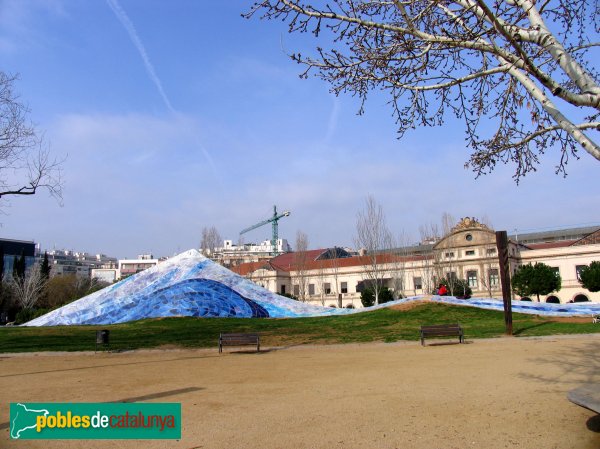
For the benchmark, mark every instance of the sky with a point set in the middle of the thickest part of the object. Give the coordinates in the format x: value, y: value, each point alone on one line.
x: 176, y: 115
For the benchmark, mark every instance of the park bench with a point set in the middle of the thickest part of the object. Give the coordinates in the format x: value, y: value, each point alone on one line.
x: 442, y: 330
x: 239, y: 339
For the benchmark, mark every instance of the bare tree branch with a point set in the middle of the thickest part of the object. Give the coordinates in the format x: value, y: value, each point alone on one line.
x: 25, y: 162
x: 493, y: 63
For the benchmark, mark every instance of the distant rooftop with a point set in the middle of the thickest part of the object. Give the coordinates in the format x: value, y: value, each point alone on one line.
x: 554, y: 235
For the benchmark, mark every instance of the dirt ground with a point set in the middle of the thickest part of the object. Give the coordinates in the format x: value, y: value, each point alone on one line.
x: 486, y: 394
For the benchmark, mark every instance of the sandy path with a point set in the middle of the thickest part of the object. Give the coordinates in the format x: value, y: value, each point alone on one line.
x: 504, y: 393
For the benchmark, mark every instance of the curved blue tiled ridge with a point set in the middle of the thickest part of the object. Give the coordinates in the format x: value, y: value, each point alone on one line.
x: 191, y: 285
x: 535, y: 308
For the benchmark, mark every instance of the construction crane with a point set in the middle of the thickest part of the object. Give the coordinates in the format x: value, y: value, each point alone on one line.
x: 275, y: 221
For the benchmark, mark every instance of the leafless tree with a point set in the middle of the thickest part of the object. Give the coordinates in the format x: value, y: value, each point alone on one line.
x: 488, y: 266
x: 398, y: 264
x: 301, y: 264
x: 497, y: 64
x: 321, y: 277
x: 374, y: 237
x: 26, y: 165
x: 211, y: 240
x: 28, y: 290
x: 335, y: 273
x: 430, y: 234
x: 445, y: 257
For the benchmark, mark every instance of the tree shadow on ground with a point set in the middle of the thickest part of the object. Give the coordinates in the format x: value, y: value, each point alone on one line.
x: 578, y: 365
x: 523, y: 329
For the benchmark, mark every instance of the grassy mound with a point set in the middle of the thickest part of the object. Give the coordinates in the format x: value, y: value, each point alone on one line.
x: 386, y: 325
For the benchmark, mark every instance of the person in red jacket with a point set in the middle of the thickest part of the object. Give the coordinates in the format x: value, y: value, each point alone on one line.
x: 442, y: 291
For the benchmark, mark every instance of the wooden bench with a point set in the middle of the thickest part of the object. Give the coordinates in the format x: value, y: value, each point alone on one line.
x: 239, y: 339
x: 442, y: 330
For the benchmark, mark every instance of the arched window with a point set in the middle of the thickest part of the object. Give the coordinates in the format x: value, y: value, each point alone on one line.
x: 580, y: 298
x: 553, y: 299
x: 526, y: 299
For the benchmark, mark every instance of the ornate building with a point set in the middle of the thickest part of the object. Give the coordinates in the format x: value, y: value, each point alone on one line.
x: 468, y: 251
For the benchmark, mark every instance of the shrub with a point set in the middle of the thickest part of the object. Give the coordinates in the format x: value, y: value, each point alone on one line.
x: 590, y: 276
x: 367, y: 297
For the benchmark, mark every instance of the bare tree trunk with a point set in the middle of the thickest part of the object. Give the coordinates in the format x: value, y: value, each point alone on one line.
x: 300, y: 263
x: 373, y: 236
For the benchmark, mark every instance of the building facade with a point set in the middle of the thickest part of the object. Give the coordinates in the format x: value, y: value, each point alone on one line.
x: 14, y: 249
x: 80, y: 264
x: 230, y: 255
x: 467, y: 252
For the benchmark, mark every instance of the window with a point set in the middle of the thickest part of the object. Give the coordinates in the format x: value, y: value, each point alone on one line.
x: 296, y: 290
x: 451, y: 275
x: 344, y: 287
x: 283, y: 289
x: 449, y: 255
x: 327, y: 288
x: 468, y: 237
x: 491, y: 251
x: 418, y: 283
x: 472, y: 278
x: 578, y: 271
x: 494, y: 277
x: 470, y: 252
x: 311, y: 289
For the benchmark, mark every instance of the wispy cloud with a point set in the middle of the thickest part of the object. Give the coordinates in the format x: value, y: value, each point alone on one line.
x: 135, y: 38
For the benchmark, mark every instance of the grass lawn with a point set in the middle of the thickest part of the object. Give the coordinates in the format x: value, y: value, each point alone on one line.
x: 382, y: 325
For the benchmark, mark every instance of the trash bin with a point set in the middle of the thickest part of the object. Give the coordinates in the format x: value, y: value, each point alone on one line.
x: 102, y: 338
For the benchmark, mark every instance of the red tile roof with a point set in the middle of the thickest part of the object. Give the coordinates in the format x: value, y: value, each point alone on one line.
x: 288, y: 262
x: 548, y: 245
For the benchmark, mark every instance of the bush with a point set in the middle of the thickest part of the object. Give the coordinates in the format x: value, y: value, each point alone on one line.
x: 538, y: 279
x: 458, y: 288
x: 590, y: 276
x: 367, y: 297
x: 289, y: 295
x: 25, y: 315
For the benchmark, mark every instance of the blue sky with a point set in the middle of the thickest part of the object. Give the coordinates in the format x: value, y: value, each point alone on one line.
x: 174, y: 115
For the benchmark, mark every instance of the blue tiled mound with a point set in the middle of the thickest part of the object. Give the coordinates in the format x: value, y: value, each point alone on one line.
x: 186, y: 285
x: 191, y: 285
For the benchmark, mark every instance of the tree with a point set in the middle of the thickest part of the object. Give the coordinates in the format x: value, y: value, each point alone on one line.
x: 398, y: 264
x: 28, y: 290
x: 367, y: 296
x: 538, y: 279
x: 61, y: 290
x: 1, y: 265
x: 590, y: 276
x: 19, y: 267
x: 321, y: 276
x: 25, y: 162
x: 373, y: 237
x: 445, y: 257
x: 301, y: 264
x: 45, y: 267
x: 461, y: 287
x: 497, y: 66
x: 211, y: 240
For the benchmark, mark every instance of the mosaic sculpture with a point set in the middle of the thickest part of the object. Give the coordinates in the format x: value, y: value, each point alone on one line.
x: 191, y: 285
